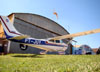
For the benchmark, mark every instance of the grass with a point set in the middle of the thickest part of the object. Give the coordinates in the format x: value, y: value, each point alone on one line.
x: 49, y: 63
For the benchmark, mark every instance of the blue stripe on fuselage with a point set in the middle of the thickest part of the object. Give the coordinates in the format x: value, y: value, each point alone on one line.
x: 31, y: 41
x: 35, y: 42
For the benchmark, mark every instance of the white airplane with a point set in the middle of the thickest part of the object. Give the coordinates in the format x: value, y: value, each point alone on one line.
x: 49, y: 44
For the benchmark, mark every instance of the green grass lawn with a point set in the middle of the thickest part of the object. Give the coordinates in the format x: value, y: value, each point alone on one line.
x: 49, y: 63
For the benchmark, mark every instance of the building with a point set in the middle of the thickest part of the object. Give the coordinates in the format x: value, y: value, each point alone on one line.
x: 98, y: 51
x: 75, y: 49
x: 3, y: 42
x: 82, y: 49
x: 37, y: 27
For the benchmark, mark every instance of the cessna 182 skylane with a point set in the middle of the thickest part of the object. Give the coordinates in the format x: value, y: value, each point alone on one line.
x: 49, y: 44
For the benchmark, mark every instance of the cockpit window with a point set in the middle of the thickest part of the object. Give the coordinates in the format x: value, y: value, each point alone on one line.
x: 51, y: 40
x: 57, y: 41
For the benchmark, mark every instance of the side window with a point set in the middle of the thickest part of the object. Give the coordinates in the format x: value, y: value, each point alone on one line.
x: 57, y: 41
x: 51, y: 40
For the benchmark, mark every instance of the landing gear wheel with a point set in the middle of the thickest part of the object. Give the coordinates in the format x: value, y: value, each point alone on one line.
x: 43, y: 52
x: 23, y: 47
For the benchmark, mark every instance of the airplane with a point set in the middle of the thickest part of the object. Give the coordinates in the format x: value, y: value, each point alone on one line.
x: 49, y: 44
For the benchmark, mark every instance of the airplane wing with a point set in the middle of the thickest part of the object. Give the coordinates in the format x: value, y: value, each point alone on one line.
x: 76, y: 34
x: 20, y: 37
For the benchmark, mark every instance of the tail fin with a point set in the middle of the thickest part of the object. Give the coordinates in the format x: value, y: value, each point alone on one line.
x: 8, y: 27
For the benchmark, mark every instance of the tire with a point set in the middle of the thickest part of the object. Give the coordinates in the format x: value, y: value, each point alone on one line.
x: 23, y: 47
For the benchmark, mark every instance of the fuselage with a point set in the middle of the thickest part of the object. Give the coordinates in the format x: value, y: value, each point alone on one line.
x: 43, y: 43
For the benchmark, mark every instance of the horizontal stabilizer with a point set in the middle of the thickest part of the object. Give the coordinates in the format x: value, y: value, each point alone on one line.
x: 20, y: 37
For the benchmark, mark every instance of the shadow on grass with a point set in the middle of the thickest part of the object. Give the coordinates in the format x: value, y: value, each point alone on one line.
x: 30, y: 56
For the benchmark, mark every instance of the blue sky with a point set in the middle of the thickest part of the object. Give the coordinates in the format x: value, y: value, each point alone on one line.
x: 74, y: 15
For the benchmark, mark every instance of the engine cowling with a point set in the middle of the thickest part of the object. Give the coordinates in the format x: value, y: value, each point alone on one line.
x: 23, y: 47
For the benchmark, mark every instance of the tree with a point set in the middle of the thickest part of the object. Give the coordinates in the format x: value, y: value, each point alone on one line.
x: 98, y: 52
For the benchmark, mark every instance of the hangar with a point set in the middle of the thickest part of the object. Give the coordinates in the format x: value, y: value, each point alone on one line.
x: 37, y: 27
